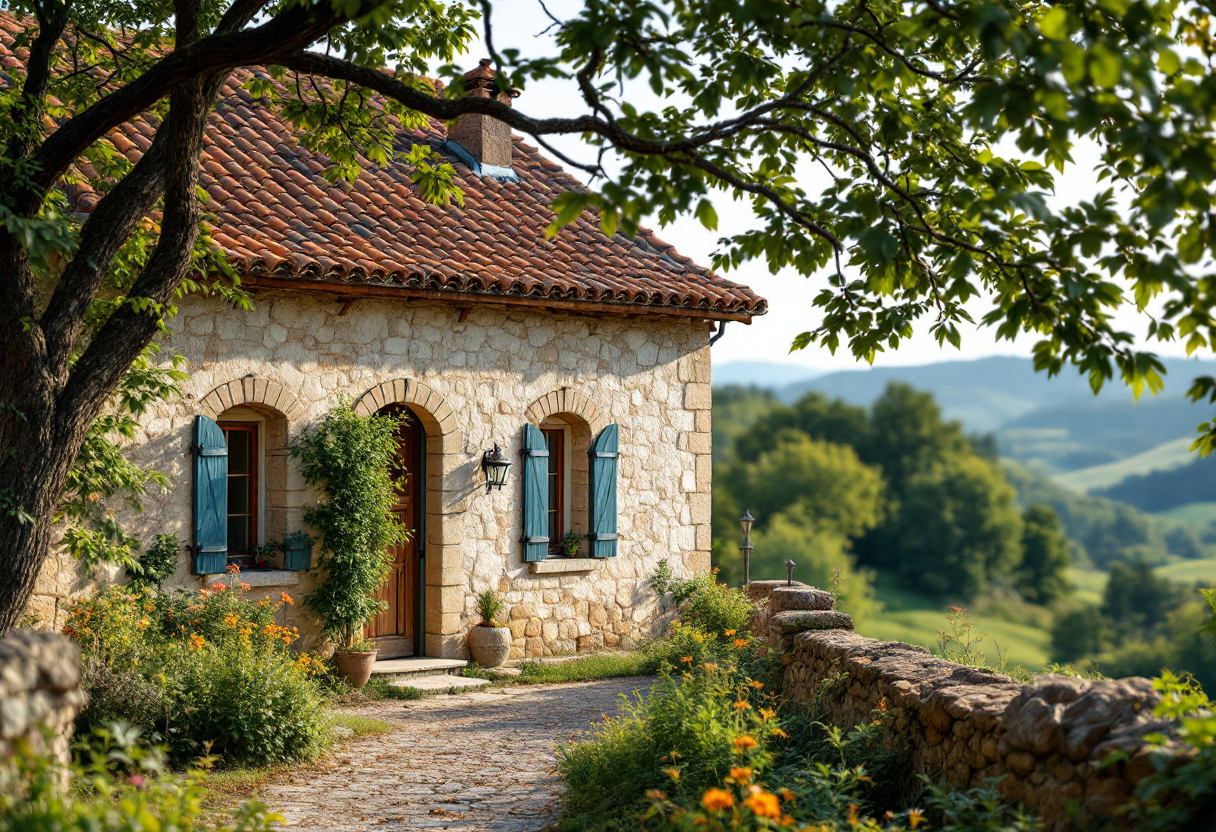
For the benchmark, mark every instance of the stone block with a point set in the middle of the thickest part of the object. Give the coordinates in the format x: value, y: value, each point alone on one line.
x: 800, y: 598
x: 698, y: 396
x: 801, y: 621
x: 590, y: 642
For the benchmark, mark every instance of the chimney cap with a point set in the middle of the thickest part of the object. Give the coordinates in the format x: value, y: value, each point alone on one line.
x: 479, y: 81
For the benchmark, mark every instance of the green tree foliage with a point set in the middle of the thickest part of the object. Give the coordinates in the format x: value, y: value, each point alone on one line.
x: 824, y: 485
x: 1078, y: 633
x: 1042, y: 576
x: 956, y: 529
x: 350, y: 459
x: 1136, y: 600
x: 896, y: 488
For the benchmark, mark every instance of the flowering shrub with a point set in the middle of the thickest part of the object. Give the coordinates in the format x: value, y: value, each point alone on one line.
x: 702, y: 601
x: 124, y: 787
x: 206, y: 671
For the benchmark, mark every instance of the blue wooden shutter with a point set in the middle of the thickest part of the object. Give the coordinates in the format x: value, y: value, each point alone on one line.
x: 604, y: 452
x: 536, y: 494
x: 210, y: 498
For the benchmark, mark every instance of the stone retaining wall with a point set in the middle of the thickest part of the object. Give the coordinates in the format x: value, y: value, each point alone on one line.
x: 1045, y: 739
x: 39, y: 690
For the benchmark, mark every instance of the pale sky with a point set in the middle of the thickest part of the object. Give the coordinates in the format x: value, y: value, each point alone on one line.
x: 518, y: 24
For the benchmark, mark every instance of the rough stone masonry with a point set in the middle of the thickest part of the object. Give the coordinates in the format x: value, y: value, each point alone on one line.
x: 39, y: 693
x: 1046, y: 740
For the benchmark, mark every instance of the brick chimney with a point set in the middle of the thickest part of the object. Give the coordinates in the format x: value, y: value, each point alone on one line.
x: 487, y: 140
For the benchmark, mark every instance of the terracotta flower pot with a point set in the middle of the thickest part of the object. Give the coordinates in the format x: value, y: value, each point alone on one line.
x: 490, y: 646
x: 355, y: 666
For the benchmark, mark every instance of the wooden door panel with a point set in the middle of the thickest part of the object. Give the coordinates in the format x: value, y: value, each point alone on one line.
x: 393, y: 629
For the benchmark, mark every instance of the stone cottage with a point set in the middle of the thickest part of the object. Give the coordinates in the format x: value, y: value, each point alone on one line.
x: 585, y: 359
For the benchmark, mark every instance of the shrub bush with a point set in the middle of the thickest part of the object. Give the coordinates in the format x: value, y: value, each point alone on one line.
x: 206, y: 671
x: 702, y: 601
x: 125, y: 787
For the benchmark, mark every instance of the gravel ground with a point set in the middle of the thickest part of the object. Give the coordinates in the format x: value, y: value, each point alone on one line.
x: 476, y: 761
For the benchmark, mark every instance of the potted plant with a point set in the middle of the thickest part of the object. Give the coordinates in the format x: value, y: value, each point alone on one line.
x: 489, y: 642
x: 570, y: 544
x: 349, y: 459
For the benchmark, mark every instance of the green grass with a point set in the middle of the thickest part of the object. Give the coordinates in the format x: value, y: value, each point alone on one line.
x: 916, y: 619
x: 1196, y: 515
x: 1089, y: 584
x: 1163, y: 457
x: 587, y: 669
x: 1189, y: 571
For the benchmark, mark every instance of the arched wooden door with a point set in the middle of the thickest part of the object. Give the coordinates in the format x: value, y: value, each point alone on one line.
x: 396, y: 630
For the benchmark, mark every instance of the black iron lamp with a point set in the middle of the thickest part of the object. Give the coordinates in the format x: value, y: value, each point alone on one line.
x: 495, y: 466
x: 789, y: 572
x: 746, y: 549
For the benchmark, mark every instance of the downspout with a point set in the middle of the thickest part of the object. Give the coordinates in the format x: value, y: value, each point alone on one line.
x: 721, y: 332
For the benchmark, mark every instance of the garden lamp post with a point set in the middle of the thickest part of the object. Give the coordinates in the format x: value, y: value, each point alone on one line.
x: 746, y: 549
x: 789, y: 572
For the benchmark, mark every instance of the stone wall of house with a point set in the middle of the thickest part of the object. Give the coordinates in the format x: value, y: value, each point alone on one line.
x: 40, y: 693
x: 475, y: 377
x: 1046, y: 739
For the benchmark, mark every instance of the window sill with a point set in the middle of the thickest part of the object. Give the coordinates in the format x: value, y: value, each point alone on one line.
x: 260, y: 578
x: 557, y: 566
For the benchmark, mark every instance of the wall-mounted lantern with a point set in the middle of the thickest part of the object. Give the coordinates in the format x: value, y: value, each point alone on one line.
x: 495, y: 466
x: 746, y: 549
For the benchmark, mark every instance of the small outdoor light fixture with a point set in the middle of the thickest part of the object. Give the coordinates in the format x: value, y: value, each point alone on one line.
x: 495, y: 466
x: 746, y: 521
x: 789, y: 572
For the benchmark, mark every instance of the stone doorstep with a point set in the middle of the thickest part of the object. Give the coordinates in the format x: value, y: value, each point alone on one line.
x: 418, y: 667
x: 440, y: 684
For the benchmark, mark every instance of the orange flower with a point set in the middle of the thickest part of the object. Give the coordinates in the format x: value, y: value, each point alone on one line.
x: 673, y: 773
x: 196, y: 641
x: 731, y: 632
x: 149, y: 607
x: 787, y: 820
x: 715, y: 800
x: 777, y: 732
x: 244, y: 586
x: 218, y: 586
x: 741, y: 774
x: 287, y: 599
x: 742, y: 706
x: 231, y: 620
x: 786, y: 794
x: 710, y: 666
x: 686, y: 660
x: 655, y: 794
x: 740, y: 642
x: 745, y: 743
x: 767, y: 713
x: 915, y: 817
x: 763, y: 804
x: 756, y: 684
x: 233, y: 569
x: 852, y: 814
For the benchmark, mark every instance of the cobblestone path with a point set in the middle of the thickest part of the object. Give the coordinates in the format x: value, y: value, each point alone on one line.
x: 476, y: 761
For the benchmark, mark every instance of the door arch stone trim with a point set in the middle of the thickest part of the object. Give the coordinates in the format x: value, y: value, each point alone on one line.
x: 252, y: 390
x: 408, y: 391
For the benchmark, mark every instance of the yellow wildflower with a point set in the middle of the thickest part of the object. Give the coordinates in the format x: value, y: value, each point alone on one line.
x: 673, y: 773
x: 915, y: 817
x: 231, y: 619
x: 731, y: 632
x: 742, y: 706
x: 715, y: 800
x: 196, y: 641
x: 767, y: 713
x: 710, y: 666
x: 777, y: 732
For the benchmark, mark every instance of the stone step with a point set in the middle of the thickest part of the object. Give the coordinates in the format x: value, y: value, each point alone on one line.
x: 440, y: 684
x: 417, y: 667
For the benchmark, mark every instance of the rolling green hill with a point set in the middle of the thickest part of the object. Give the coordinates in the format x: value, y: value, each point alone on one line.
x: 1163, y: 457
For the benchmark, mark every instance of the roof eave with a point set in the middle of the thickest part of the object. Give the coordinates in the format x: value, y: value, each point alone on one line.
x: 349, y: 291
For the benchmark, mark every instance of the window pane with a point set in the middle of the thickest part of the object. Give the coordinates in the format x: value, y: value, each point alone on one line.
x: 238, y: 495
x: 239, y: 442
x: 238, y: 536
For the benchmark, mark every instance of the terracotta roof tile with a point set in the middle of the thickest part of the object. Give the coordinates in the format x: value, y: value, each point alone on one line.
x: 276, y: 217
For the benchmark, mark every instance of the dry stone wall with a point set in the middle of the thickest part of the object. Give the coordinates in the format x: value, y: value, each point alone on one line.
x: 1046, y: 740
x: 475, y: 376
x: 39, y: 693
